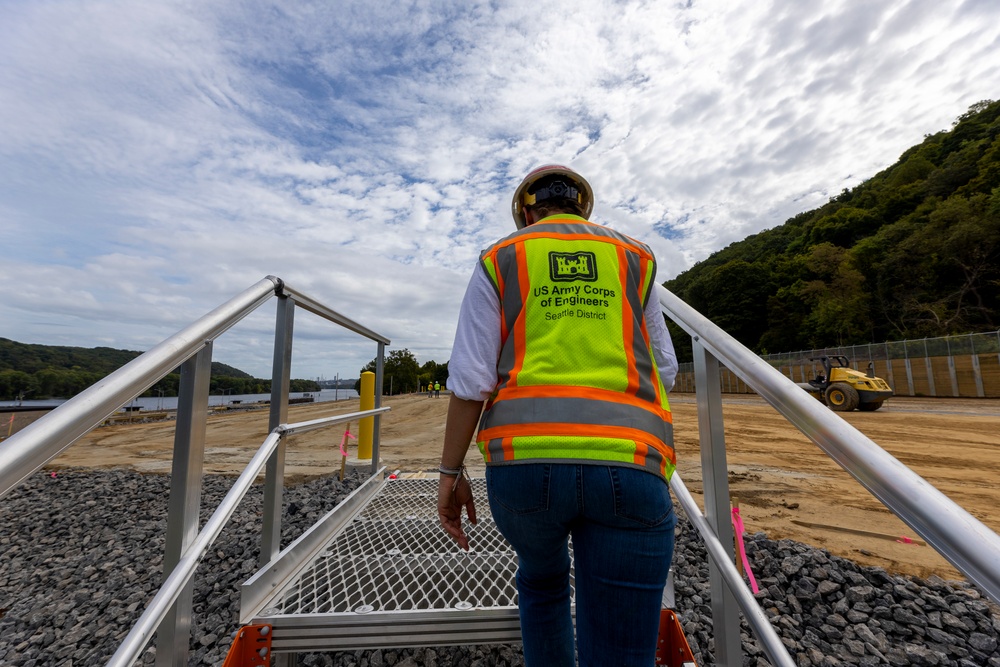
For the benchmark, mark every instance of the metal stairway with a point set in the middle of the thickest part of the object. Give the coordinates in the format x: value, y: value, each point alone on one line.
x: 384, y: 574
x: 377, y: 571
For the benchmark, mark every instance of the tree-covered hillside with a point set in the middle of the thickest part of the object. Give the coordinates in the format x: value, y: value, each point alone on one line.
x: 30, y: 358
x: 912, y: 252
x: 52, y: 371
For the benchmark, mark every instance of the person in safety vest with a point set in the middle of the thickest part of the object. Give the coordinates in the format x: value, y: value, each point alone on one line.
x: 560, y: 337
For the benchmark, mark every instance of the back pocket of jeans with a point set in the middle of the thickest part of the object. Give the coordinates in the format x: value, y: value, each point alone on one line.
x: 640, y: 496
x: 519, y: 489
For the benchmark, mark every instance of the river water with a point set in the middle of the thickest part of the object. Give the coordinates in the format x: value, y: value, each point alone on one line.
x: 148, y: 403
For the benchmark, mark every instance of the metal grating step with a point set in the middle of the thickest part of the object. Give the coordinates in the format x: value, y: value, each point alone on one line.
x: 388, y: 575
x: 395, y: 556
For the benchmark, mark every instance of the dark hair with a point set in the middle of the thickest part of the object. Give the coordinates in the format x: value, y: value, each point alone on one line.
x: 554, y: 206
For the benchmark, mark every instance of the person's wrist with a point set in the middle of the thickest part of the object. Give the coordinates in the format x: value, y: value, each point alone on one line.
x: 458, y: 473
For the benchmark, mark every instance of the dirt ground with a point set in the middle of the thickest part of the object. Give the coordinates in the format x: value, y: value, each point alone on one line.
x: 776, y: 474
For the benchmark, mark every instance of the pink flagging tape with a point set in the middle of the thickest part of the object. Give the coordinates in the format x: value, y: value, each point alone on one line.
x: 738, y: 527
x: 343, y: 441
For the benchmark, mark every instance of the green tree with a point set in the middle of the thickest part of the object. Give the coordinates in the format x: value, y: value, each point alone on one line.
x: 432, y: 372
x: 965, y: 237
x: 958, y: 169
x: 401, y: 372
x: 14, y: 383
x: 167, y: 386
x: 844, y: 227
x: 916, y: 168
x: 303, y: 385
x: 734, y: 296
x: 837, y: 298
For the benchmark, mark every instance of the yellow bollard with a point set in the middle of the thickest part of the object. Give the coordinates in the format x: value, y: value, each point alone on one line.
x: 366, y: 426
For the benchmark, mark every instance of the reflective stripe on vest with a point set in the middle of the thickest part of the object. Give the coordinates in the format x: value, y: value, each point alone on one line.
x: 577, y: 378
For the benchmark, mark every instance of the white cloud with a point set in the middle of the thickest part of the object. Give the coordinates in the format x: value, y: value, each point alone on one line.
x: 155, y: 160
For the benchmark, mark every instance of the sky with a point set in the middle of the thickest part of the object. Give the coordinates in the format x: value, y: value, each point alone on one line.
x: 157, y: 159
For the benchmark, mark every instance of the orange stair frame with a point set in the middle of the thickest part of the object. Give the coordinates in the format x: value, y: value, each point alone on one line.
x: 672, y: 649
x: 251, y: 647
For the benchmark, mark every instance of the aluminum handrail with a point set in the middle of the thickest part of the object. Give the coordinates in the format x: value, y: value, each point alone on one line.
x: 137, y: 638
x: 313, y: 424
x: 159, y: 606
x: 962, y: 539
x: 190, y: 349
x: 765, y: 632
x: 316, y: 308
x: 27, y: 451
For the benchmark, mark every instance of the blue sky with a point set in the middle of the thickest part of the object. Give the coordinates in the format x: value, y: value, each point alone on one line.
x: 158, y: 158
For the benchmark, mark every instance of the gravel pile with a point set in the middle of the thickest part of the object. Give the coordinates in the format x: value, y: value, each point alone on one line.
x: 81, y: 552
x: 829, y: 611
x: 81, y: 555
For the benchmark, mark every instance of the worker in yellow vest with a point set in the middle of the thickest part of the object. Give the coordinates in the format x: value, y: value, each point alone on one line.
x: 559, y: 336
x: 437, y: 389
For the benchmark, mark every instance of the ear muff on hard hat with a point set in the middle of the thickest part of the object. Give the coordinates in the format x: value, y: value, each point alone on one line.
x: 559, y: 183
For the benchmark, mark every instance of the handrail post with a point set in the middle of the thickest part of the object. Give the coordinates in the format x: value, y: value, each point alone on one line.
x: 174, y: 635
x: 274, y: 477
x: 715, y: 481
x: 377, y: 426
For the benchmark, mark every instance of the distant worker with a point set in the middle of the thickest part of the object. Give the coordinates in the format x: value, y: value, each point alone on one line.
x: 437, y: 389
x: 561, y: 337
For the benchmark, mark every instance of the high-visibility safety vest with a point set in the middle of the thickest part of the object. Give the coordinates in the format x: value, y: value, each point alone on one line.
x: 577, y: 380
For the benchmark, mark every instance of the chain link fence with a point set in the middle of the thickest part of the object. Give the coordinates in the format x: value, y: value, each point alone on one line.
x: 956, y: 366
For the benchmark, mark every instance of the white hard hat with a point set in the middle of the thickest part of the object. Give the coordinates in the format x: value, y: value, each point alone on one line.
x: 577, y: 188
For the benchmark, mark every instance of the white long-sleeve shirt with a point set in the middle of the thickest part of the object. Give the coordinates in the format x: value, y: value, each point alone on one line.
x: 472, y: 370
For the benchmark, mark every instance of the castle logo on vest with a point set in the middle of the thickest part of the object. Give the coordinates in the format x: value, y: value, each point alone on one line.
x: 567, y: 266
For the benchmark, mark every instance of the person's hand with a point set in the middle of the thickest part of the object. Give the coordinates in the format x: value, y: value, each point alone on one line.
x: 451, y: 498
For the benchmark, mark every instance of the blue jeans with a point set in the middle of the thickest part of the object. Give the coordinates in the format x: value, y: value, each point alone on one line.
x: 622, y: 523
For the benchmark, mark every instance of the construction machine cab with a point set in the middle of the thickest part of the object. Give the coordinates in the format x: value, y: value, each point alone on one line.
x: 842, y: 388
x: 823, y: 380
